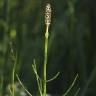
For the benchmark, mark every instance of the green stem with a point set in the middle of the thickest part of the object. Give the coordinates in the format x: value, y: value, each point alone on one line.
x: 13, y: 81
x: 23, y: 86
x: 45, y: 58
x: 13, y: 75
x: 71, y: 86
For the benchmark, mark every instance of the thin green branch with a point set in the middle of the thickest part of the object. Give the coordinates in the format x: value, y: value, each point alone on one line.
x: 89, y: 81
x: 71, y: 86
x: 53, y: 77
x: 39, y: 82
x: 13, y: 90
x: 13, y: 73
x: 76, y: 94
x: 10, y: 91
x: 23, y: 86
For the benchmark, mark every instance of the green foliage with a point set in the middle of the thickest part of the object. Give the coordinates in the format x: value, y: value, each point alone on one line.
x: 71, y: 43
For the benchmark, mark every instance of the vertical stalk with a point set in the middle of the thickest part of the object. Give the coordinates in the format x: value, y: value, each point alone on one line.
x: 45, y: 58
x: 47, y: 22
x: 14, y: 59
x: 13, y: 75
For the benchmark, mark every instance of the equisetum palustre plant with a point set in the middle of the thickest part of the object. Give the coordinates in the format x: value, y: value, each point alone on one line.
x: 42, y: 87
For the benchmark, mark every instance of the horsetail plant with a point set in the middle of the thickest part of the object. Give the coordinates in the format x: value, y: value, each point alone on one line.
x: 43, y: 82
x: 39, y: 81
x: 47, y: 22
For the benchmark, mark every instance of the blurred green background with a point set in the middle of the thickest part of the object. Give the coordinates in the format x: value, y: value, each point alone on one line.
x: 72, y: 47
